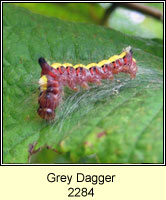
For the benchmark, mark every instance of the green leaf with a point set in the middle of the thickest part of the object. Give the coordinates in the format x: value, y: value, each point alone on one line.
x: 118, y: 122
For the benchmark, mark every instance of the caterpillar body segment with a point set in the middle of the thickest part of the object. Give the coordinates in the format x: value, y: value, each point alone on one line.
x: 54, y: 77
x: 50, y: 96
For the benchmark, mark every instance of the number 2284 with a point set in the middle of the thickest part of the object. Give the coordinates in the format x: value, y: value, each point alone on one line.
x: 78, y: 192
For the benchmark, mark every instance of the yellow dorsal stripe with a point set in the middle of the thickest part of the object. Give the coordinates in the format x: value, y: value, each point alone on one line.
x: 67, y: 65
x: 116, y: 57
x: 103, y: 62
x: 56, y: 65
x: 79, y: 65
x: 91, y: 65
x: 100, y: 64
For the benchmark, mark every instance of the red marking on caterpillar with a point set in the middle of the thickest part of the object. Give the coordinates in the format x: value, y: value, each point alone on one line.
x: 55, y: 77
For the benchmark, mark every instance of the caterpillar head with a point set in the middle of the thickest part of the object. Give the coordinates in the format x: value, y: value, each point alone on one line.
x: 46, y: 113
x: 128, y: 50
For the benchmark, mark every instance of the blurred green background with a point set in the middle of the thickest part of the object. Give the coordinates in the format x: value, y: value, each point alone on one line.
x: 111, y: 15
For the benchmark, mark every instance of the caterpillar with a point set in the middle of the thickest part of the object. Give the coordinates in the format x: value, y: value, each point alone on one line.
x: 54, y: 77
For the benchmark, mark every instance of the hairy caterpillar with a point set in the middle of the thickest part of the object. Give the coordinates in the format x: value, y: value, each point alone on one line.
x: 54, y: 77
